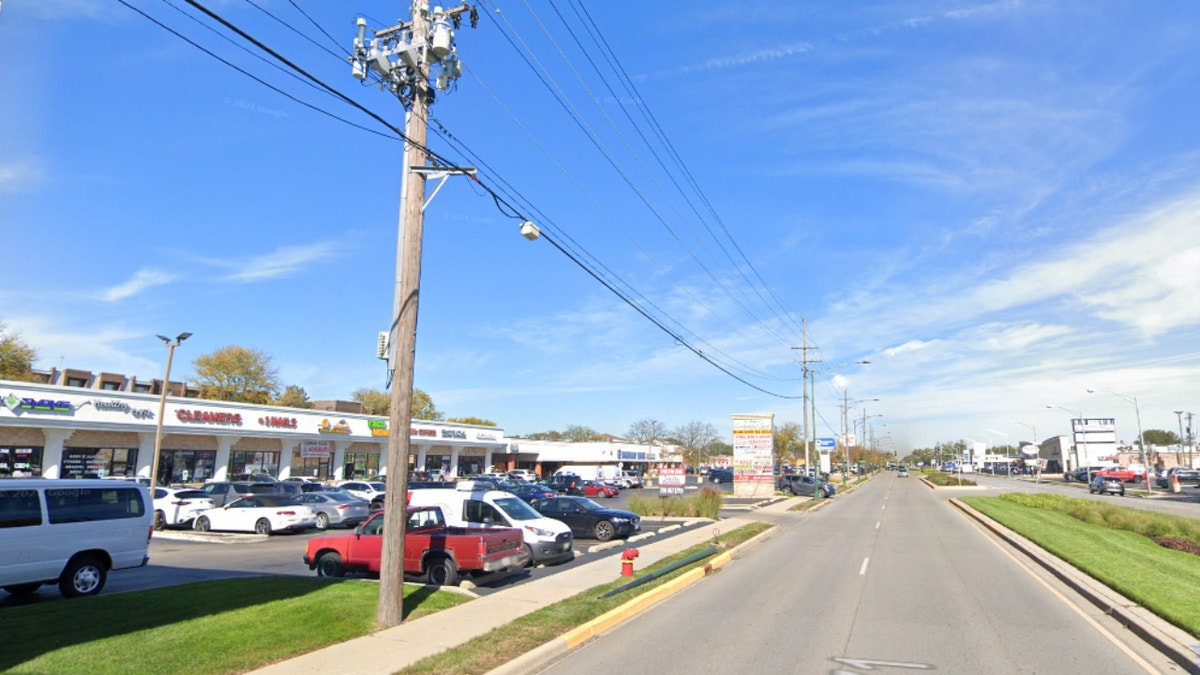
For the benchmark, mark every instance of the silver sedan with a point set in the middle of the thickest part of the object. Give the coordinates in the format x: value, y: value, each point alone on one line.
x: 335, y: 508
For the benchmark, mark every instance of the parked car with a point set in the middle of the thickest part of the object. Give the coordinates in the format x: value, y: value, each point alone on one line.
x: 432, y: 550
x: 1102, y: 483
x: 1187, y: 478
x: 524, y: 474
x: 528, y: 492
x: 263, y: 514
x: 586, y: 518
x: 71, y: 533
x: 1124, y: 473
x: 1084, y: 473
x: 372, y: 492
x: 224, y: 491
x: 719, y: 475
x: 593, y: 489
x: 633, y: 478
x: 565, y: 484
x: 174, y: 506
x: 546, y: 540
x: 335, y: 508
x: 254, y: 477
x: 807, y: 485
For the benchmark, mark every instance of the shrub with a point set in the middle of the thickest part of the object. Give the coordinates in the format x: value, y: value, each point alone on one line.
x: 706, y: 503
x: 1157, y: 526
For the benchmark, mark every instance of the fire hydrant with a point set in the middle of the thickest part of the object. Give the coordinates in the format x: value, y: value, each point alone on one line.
x: 627, y: 557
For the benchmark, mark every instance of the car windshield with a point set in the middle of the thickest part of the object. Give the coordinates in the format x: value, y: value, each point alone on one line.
x: 516, y: 509
x: 191, y: 494
x: 588, y: 505
x: 276, y: 500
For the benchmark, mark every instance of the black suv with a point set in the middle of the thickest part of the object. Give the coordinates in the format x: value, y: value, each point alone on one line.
x: 566, y: 484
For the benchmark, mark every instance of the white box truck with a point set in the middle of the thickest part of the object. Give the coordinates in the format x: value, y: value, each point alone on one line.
x: 546, y: 540
x: 609, y: 474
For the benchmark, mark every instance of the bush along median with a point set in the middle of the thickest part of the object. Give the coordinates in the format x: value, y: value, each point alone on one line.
x: 705, y: 503
x: 1150, y: 558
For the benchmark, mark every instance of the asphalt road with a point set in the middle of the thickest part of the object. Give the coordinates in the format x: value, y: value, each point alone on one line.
x: 888, y: 578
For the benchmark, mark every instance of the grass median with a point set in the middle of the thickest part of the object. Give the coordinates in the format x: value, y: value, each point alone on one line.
x: 507, y: 642
x: 1131, y: 550
x: 223, y: 626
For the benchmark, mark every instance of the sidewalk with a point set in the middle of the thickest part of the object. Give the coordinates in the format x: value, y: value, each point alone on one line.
x: 391, y: 649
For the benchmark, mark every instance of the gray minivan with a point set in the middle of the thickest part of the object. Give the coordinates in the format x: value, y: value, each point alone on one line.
x: 71, y: 533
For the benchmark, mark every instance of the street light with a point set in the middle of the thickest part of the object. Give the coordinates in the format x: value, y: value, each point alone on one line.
x: 1083, y: 430
x: 1141, y: 437
x: 162, y: 405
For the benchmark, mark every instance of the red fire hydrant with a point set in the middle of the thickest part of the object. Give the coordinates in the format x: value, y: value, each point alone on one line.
x: 627, y: 557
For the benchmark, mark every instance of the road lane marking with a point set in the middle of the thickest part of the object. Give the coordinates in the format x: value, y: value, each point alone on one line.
x: 877, y: 526
x: 867, y: 664
x: 863, y: 570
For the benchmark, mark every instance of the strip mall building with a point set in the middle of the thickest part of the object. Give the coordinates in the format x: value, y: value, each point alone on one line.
x: 57, y: 431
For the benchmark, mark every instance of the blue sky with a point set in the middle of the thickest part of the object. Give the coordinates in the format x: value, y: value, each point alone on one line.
x: 995, y: 203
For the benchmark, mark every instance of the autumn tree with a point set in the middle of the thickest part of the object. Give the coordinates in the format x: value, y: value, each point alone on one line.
x: 477, y: 421
x: 236, y: 373
x: 375, y: 402
x: 293, y: 396
x: 789, y: 442
x: 16, y: 357
x: 695, y: 438
x: 647, y: 431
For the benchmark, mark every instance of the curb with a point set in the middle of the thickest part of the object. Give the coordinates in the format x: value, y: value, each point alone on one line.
x: 557, y: 648
x: 1168, y: 639
x: 210, y: 537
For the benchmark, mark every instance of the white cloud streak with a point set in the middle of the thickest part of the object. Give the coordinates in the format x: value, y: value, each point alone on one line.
x: 141, y: 280
x: 284, y: 262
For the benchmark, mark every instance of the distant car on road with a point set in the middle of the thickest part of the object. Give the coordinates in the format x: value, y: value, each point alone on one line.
x: 1110, y: 484
x: 720, y: 475
x: 902, y: 472
x: 807, y: 485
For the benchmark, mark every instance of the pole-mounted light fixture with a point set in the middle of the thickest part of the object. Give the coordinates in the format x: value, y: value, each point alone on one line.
x: 162, y: 405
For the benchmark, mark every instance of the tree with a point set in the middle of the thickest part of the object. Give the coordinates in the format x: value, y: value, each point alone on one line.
x: 647, y: 431
x: 477, y: 421
x: 1161, y: 437
x: 788, y: 442
x: 576, y: 433
x: 293, y: 396
x: 16, y: 357
x: 375, y: 402
x: 695, y: 438
x: 236, y: 373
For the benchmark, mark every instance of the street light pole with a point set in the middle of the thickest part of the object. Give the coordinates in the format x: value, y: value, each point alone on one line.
x: 1179, y: 416
x: 1083, y: 431
x: 1141, y: 437
x: 162, y: 406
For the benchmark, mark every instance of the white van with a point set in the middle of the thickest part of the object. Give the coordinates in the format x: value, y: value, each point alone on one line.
x: 71, y: 533
x: 546, y: 540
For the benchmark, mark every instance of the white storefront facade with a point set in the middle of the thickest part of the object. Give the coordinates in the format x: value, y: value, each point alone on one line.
x: 69, y: 432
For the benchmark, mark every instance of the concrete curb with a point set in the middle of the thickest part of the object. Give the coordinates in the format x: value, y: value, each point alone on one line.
x: 211, y: 537
x: 1173, y: 642
x: 557, y: 648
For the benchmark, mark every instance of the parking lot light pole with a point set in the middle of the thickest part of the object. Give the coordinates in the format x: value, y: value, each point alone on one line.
x: 1083, y: 432
x: 1141, y: 437
x: 162, y: 406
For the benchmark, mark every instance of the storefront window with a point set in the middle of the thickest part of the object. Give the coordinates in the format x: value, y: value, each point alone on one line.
x: 310, y: 467
x: 186, y: 466
x: 437, y: 463
x: 360, y: 465
x: 20, y: 462
x: 470, y: 466
x: 254, y: 462
x: 99, y: 462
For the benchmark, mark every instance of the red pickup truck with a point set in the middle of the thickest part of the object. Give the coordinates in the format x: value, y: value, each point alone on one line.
x: 437, y: 553
x: 1126, y: 474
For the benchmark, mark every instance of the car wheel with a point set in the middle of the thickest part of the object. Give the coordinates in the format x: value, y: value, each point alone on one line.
x: 604, y: 530
x: 23, y: 589
x: 263, y: 526
x: 83, y: 576
x: 329, y: 564
x: 160, y: 520
x: 202, y: 524
x: 528, y: 554
x: 322, y: 521
x: 442, y: 572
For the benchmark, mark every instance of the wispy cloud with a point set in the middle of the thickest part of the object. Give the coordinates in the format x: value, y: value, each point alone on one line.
x: 284, y: 262
x: 141, y: 280
x: 15, y: 175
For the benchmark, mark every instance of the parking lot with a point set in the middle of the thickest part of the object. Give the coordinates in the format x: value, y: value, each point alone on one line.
x: 183, y: 556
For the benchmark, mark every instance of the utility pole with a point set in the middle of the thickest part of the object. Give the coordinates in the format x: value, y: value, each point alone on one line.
x: 403, y: 57
x: 804, y: 361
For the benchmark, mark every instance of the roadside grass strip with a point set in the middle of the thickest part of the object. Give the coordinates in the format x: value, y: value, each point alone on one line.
x: 222, y: 626
x: 942, y: 479
x: 525, y: 634
x: 706, y: 503
x: 1160, y: 579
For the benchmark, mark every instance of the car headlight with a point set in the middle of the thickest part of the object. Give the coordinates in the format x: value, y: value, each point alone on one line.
x: 539, y: 531
x: 620, y: 520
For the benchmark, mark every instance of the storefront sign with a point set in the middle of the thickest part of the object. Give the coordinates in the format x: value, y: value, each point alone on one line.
x: 208, y: 417
x: 278, y: 422
x: 19, y: 404
x: 123, y: 407
x: 315, y: 449
x: 378, y: 427
x: 422, y: 432
x: 485, y: 437
x: 454, y: 433
x: 340, y: 428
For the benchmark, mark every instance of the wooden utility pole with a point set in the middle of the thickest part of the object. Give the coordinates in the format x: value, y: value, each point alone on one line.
x: 390, y: 611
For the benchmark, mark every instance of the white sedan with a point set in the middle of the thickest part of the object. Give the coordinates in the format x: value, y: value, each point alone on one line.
x: 369, y: 491
x: 263, y: 514
x: 175, y: 506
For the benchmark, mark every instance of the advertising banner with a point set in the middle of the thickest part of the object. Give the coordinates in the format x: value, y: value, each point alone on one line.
x: 753, y: 454
x: 671, y: 481
x: 315, y: 449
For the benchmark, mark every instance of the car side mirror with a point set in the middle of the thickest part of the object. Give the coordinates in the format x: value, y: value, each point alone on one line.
x: 489, y: 521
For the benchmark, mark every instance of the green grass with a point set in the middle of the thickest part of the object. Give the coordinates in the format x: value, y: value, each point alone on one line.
x: 224, y: 626
x: 942, y: 479
x: 507, y: 642
x: 705, y: 503
x: 1158, y: 578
